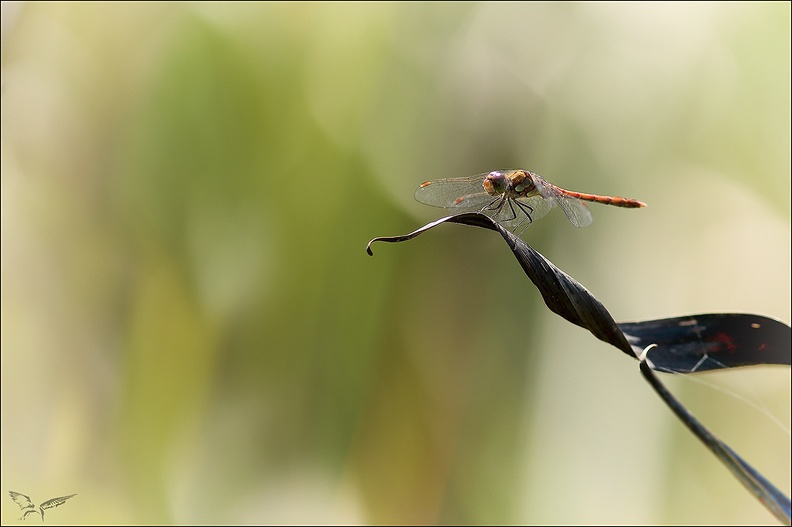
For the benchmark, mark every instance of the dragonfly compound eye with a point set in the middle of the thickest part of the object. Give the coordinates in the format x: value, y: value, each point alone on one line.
x: 494, y: 183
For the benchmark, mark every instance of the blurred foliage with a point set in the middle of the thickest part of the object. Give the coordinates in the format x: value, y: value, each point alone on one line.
x: 193, y: 333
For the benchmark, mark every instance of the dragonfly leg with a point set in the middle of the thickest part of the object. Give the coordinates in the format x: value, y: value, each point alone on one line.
x: 513, y: 212
x: 527, y: 210
x: 496, y: 205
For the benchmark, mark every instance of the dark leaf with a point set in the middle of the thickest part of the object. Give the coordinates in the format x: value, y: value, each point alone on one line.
x: 683, y: 344
x: 471, y: 218
x: 712, y: 341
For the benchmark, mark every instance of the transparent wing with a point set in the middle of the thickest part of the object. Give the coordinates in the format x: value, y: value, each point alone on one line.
x: 577, y: 211
x: 455, y: 193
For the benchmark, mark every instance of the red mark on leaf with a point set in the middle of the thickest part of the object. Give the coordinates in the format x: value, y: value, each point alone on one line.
x: 726, y: 341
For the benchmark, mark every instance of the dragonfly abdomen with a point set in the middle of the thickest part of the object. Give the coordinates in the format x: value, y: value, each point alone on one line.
x: 607, y: 200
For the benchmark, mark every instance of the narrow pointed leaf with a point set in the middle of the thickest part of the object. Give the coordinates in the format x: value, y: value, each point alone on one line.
x: 682, y: 344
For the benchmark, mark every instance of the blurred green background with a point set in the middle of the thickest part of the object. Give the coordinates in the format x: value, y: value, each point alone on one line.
x: 193, y: 333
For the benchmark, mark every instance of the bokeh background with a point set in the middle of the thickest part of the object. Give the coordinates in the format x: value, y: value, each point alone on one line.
x: 193, y: 333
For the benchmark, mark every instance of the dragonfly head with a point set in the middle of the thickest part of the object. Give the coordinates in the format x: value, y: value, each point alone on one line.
x: 495, y: 183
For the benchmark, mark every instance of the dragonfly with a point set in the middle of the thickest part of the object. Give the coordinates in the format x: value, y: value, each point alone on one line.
x: 513, y: 198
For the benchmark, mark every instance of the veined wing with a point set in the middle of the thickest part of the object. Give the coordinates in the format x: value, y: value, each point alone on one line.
x: 454, y: 193
x: 576, y: 211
